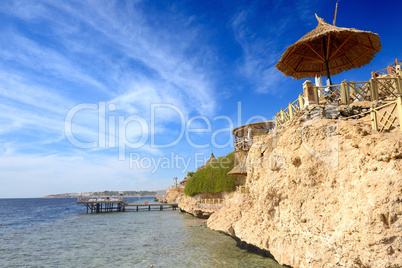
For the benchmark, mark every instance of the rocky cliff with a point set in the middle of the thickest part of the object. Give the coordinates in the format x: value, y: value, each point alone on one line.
x: 191, y: 204
x: 174, y: 195
x: 323, y: 193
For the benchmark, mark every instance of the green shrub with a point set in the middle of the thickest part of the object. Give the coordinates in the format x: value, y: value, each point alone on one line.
x: 214, y: 178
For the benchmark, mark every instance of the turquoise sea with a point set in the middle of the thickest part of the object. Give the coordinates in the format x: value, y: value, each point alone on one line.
x: 42, y: 232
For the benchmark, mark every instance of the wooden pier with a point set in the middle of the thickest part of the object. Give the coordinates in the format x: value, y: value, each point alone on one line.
x: 157, y: 206
x: 101, y: 205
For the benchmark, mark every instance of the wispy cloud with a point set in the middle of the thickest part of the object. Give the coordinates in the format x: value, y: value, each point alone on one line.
x: 90, y: 31
x: 27, y: 174
x: 158, y: 51
x: 57, y: 56
x: 263, y: 39
x: 259, y: 54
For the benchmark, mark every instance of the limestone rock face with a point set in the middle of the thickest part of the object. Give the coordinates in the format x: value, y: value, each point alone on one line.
x: 173, y: 196
x: 323, y: 193
x: 190, y: 204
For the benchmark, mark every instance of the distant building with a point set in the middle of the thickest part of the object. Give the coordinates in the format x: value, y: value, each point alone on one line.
x: 184, y: 181
x: 161, y: 194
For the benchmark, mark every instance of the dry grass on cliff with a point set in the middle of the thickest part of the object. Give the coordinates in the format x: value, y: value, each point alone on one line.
x: 214, y: 178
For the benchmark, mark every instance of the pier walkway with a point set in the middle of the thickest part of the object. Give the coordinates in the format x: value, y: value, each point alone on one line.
x: 101, y: 205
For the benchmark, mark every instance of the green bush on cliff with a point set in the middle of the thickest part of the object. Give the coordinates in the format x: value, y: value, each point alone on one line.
x: 214, y: 178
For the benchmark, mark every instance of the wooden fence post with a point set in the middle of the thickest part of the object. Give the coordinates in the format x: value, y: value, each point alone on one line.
x: 373, y: 116
x: 345, y: 99
x: 282, y: 116
x: 316, y: 98
x: 352, y: 88
x: 399, y: 84
x: 301, y: 102
x: 308, y: 92
x: 399, y: 104
x: 276, y: 120
x: 290, y: 109
x: 373, y: 89
x: 389, y: 70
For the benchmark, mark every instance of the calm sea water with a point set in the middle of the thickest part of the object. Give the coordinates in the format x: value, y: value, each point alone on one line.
x: 58, y: 233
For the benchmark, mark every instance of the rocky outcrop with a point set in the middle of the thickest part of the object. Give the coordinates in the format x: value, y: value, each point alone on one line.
x: 190, y: 204
x: 323, y: 193
x: 174, y: 195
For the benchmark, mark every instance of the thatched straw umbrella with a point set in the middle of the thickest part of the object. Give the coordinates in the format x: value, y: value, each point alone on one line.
x: 239, y: 170
x: 208, y: 162
x: 328, y: 50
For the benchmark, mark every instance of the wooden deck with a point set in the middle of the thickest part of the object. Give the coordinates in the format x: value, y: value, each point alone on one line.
x: 159, y: 206
x: 100, y: 205
x: 244, y: 134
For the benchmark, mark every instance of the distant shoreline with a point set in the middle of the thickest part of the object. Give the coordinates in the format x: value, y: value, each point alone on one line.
x: 105, y: 194
x: 77, y: 196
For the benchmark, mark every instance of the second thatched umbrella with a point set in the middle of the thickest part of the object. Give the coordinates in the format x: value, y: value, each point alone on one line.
x: 328, y: 50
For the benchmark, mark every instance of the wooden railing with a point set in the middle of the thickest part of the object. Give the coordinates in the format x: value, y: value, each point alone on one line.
x: 390, y: 70
x: 376, y: 89
x: 359, y: 91
x: 388, y: 116
x: 293, y: 109
x: 296, y: 106
x: 385, y: 85
x: 387, y: 88
x: 212, y: 201
x: 244, y: 134
x: 242, y: 194
x: 98, y: 199
x: 329, y: 94
x: 243, y: 143
x: 242, y: 189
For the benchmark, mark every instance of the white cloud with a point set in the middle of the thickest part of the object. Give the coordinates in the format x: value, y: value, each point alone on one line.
x: 41, y: 175
x: 259, y: 57
x: 47, y: 61
x: 57, y: 55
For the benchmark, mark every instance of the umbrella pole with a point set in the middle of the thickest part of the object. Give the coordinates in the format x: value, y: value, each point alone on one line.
x: 326, y: 60
x: 328, y: 75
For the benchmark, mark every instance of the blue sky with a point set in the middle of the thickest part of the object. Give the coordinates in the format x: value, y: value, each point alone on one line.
x: 126, y: 95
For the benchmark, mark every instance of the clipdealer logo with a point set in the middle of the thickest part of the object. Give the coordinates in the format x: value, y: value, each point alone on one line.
x: 114, y: 131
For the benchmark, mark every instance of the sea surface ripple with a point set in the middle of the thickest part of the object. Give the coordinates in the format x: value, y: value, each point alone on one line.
x: 58, y: 233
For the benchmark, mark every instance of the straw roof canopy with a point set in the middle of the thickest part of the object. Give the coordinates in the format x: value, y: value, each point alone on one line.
x: 208, y: 162
x: 342, y: 48
x: 239, y: 170
x: 257, y: 127
x: 184, y: 180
